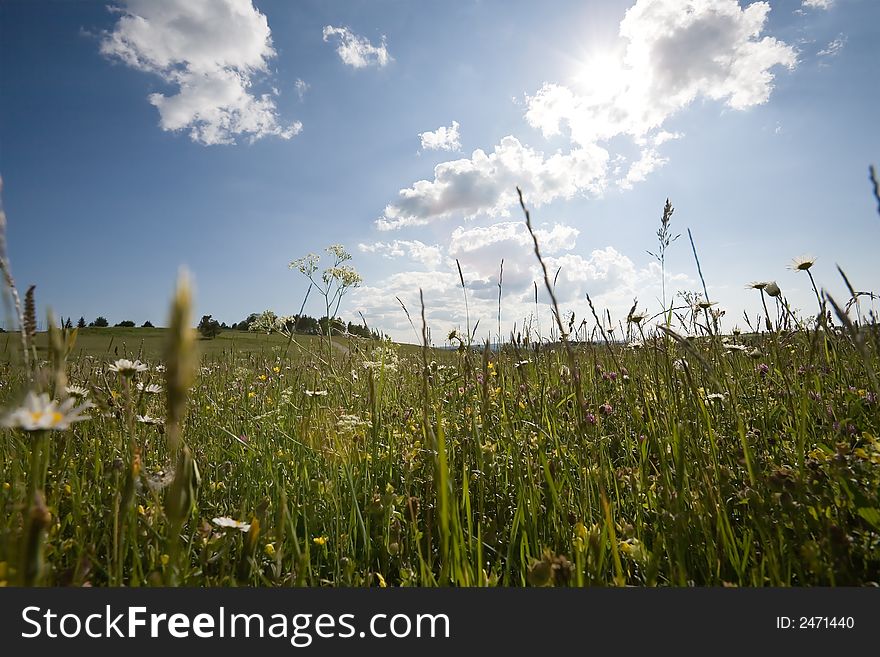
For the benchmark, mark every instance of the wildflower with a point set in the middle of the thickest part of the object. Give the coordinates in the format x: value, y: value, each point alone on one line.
x: 351, y: 422
x: 147, y: 419
x: 762, y: 369
x: 160, y: 368
x: 269, y: 549
x: 757, y: 285
x: 755, y: 353
x: 77, y: 391
x: 606, y: 409
x: 680, y: 364
x: 521, y: 363
x: 276, y: 369
x: 126, y: 367
x: 637, y: 318
x: 39, y: 412
x: 164, y: 559
x: 229, y: 523
x: 731, y: 348
x: 382, y: 583
x: 772, y: 289
x: 705, y: 304
x: 316, y: 393
x: 320, y: 540
x: 715, y: 396
x: 152, y: 389
x: 802, y: 263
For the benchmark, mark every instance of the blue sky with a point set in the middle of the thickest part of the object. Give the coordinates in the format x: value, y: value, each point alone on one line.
x: 233, y: 137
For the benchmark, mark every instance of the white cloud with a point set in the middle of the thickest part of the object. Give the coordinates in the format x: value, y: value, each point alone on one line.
x: 648, y: 161
x: 817, y: 4
x: 833, y: 48
x: 486, y: 183
x: 610, y: 277
x: 211, y: 51
x: 514, y: 234
x: 672, y: 53
x: 428, y: 255
x: 357, y: 51
x: 301, y: 87
x: 442, y: 139
x: 675, y: 52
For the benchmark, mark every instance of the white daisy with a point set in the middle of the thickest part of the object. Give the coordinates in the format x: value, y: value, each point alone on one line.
x: 229, y: 523
x: 316, y: 393
x: 803, y: 263
x: 77, y: 391
x: 147, y: 419
x: 151, y: 389
x: 39, y: 412
x: 772, y: 289
x: 126, y: 367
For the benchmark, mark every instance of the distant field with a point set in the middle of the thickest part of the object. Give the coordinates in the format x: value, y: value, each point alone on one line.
x: 148, y: 343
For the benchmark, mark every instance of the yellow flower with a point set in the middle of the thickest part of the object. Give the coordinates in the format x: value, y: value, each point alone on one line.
x: 276, y: 369
x: 382, y: 583
x: 164, y: 559
x: 6, y: 485
x: 262, y: 377
x: 252, y: 394
x: 270, y: 549
x: 320, y: 540
x: 141, y: 510
x: 67, y: 488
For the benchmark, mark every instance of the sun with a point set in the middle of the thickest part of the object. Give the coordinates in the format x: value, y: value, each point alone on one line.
x: 600, y: 74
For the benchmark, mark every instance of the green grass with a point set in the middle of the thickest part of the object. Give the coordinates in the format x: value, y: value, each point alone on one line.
x: 148, y: 343
x: 479, y: 469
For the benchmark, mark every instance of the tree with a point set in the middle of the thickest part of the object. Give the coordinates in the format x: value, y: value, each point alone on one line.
x: 126, y: 323
x: 335, y: 327
x: 147, y: 324
x: 209, y: 327
x: 101, y: 322
x: 245, y: 324
x: 81, y: 323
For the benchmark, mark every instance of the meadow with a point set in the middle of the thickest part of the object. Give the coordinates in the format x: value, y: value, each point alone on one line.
x: 654, y: 452
x: 717, y: 460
